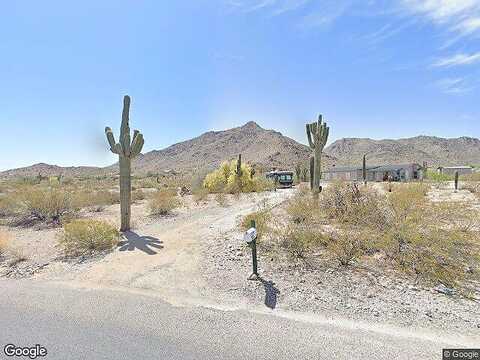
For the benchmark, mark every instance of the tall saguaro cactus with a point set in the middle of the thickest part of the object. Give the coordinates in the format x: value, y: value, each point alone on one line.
x: 317, y: 134
x: 126, y: 149
x: 364, y: 169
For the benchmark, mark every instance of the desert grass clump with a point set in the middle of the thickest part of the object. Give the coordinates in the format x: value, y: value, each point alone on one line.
x: 302, y: 208
x: 86, y: 237
x: 262, y: 219
x: 48, y: 205
x: 163, y: 202
x: 298, y: 240
x: 7, y: 205
x: 97, y: 200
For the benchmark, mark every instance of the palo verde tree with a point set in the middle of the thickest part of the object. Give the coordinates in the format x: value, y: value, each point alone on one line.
x: 126, y: 149
x: 317, y: 134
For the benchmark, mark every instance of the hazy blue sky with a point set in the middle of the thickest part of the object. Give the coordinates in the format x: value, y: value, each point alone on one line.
x: 380, y: 69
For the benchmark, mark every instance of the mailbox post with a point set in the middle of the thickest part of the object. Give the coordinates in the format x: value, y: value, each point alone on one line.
x: 251, y: 239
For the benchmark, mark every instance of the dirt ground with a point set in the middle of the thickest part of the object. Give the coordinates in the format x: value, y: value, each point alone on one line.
x: 197, y: 256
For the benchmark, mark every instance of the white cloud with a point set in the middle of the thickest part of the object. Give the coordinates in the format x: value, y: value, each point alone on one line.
x: 454, y: 86
x: 458, y: 59
x: 469, y: 25
x: 461, y: 16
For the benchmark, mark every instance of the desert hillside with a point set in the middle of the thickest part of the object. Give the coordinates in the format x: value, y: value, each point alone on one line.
x: 266, y: 148
x: 51, y: 170
x: 270, y: 149
x: 433, y: 150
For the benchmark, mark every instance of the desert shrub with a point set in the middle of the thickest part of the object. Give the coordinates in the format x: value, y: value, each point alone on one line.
x: 356, y: 205
x: 7, y: 205
x: 299, y: 240
x: 146, y: 183
x: 345, y: 247
x: 431, y: 241
x: 302, y: 208
x: 50, y: 205
x: 261, y: 217
x: 225, y: 179
x: 84, y: 237
x: 438, y: 177
x: 163, y: 202
x: 97, y: 199
x: 221, y: 199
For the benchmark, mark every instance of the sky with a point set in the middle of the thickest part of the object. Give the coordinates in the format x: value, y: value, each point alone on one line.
x: 373, y: 68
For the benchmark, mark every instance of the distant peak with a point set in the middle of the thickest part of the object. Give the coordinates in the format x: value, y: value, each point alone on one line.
x: 251, y: 125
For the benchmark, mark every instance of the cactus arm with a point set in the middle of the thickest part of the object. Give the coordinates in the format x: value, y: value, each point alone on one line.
x: 137, y: 144
x: 114, y: 147
x: 309, y: 136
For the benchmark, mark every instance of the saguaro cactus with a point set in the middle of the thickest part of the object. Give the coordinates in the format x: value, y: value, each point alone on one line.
x: 126, y: 151
x: 317, y: 134
x: 239, y: 166
x: 364, y: 169
x: 456, y: 181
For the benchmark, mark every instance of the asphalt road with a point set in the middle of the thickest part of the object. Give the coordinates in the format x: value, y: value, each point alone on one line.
x: 76, y: 323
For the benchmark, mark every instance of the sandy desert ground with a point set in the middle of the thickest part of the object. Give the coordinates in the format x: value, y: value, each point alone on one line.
x: 197, y: 256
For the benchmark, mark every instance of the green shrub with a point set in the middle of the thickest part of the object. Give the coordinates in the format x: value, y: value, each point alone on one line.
x: 225, y: 179
x: 163, y: 202
x: 438, y: 177
x: 85, y: 237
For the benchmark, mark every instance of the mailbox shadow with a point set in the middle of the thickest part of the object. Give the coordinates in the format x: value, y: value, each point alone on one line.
x: 271, y: 293
x: 133, y: 241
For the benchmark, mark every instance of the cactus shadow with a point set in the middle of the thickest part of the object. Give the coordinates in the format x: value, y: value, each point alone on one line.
x: 133, y: 241
x: 271, y: 293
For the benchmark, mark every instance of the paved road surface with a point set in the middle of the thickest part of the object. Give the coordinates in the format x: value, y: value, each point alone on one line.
x: 76, y: 323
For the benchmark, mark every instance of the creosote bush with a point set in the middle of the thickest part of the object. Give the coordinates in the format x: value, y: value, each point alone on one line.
x: 163, y: 202
x: 86, y: 237
x: 49, y: 205
x: 347, y: 247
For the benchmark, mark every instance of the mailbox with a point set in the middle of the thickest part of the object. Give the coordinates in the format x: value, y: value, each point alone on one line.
x: 250, y: 235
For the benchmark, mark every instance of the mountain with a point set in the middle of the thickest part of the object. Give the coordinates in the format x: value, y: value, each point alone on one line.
x: 434, y: 150
x: 265, y: 148
x: 270, y: 149
x: 51, y: 170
